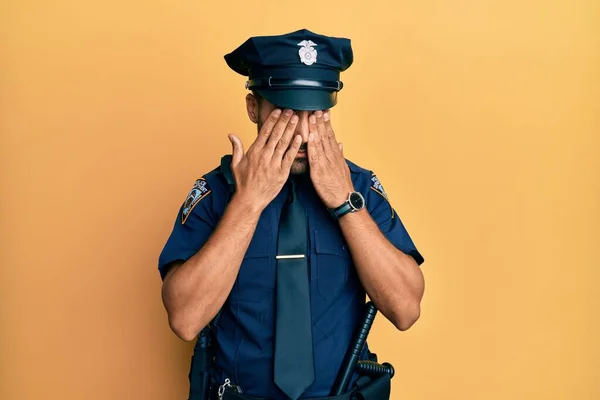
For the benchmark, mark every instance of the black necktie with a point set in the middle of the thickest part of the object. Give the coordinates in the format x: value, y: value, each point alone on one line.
x: 294, y: 366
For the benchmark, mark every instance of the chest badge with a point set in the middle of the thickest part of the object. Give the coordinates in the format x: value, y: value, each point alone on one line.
x: 308, y: 54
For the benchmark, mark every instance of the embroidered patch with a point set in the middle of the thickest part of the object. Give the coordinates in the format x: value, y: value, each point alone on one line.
x: 198, y: 192
x: 378, y: 187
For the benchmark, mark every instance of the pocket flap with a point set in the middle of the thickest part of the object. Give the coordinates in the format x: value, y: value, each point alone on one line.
x: 259, y: 245
x: 331, y: 242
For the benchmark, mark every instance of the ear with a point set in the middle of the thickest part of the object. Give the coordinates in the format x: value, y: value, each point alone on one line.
x: 252, y: 107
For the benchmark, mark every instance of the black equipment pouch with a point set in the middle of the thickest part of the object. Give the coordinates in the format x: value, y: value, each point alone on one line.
x: 374, y: 381
x: 372, y: 388
x: 200, y: 370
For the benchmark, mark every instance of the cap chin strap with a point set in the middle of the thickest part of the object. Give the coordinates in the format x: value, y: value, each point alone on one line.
x: 283, y: 83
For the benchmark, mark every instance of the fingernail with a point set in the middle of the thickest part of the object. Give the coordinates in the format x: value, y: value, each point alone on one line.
x: 313, y: 119
x: 277, y: 112
x: 298, y: 139
x: 294, y: 119
x: 288, y: 113
x: 318, y: 113
x: 326, y: 116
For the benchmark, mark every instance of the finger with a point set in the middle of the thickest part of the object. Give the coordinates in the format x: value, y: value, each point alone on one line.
x: 323, y: 140
x: 278, y: 130
x: 266, y: 129
x: 315, y: 151
x: 237, y: 149
x: 284, y: 142
x: 290, y: 155
x: 329, y: 129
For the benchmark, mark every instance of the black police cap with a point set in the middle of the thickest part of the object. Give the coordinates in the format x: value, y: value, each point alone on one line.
x: 299, y: 70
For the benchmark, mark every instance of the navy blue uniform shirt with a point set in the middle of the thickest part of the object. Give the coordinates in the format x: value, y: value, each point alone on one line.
x: 245, y: 331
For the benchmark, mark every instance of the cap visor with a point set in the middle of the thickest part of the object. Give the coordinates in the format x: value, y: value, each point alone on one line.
x: 300, y: 99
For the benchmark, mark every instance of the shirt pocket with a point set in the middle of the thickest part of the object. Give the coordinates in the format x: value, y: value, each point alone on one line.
x: 256, y: 276
x: 333, y: 261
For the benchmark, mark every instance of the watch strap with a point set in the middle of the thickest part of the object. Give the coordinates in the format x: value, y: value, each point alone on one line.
x: 342, y: 210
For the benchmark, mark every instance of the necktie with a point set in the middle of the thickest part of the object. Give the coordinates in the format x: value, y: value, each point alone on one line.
x: 294, y: 368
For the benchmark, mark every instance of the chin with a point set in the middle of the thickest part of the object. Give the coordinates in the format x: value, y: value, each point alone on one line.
x: 299, y: 167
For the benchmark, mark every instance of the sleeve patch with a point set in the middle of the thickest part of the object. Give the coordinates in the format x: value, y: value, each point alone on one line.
x: 378, y: 187
x: 198, y: 192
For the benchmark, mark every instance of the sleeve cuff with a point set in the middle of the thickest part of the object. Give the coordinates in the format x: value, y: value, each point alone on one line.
x: 165, y: 263
x: 417, y: 256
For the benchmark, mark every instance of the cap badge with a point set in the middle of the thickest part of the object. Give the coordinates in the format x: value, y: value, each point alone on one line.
x: 308, y: 55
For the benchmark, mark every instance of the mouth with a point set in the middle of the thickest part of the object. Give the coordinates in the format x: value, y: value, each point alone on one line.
x: 302, y: 152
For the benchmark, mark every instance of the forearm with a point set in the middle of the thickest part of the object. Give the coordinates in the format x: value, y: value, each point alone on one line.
x: 391, y: 278
x: 195, y: 291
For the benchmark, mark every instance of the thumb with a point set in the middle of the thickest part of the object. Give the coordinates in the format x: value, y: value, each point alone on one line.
x: 237, y: 149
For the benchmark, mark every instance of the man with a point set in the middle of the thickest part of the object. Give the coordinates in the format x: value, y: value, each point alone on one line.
x: 286, y: 257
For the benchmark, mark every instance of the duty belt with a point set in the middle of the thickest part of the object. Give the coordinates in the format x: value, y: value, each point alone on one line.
x: 233, y: 394
x: 365, y: 388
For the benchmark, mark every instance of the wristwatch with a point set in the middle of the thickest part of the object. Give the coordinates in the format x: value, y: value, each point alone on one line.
x: 355, y: 202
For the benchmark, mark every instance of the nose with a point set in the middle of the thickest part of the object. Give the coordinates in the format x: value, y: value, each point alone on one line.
x: 302, y: 127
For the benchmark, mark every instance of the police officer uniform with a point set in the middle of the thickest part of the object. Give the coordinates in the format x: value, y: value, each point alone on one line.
x: 299, y: 70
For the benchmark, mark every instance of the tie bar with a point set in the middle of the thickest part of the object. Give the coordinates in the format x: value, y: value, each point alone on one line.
x: 290, y: 256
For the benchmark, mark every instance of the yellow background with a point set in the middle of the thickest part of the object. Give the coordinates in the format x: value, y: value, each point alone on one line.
x: 481, y: 117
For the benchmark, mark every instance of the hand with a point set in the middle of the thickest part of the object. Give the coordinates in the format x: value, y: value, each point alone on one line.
x: 328, y: 169
x: 261, y: 172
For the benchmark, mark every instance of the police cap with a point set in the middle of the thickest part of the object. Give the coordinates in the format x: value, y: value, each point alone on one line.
x: 299, y: 70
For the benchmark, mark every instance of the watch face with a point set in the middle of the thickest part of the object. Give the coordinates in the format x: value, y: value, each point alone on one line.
x: 356, y: 201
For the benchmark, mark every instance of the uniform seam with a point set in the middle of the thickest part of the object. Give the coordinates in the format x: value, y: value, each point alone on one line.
x: 237, y: 330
